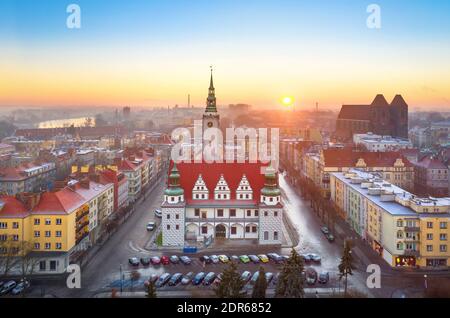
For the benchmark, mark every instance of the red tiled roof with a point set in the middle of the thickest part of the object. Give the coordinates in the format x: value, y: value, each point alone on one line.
x: 349, y: 158
x: 431, y: 163
x: 232, y: 173
x: 12, y: 207
x: 61, y: 202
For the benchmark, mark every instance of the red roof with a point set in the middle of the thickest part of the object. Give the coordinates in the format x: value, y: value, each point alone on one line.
x: 61, y: 202
x: 431, y: 163
x: 232, y: 173
x: 349, y: 158
x: 12, y: 207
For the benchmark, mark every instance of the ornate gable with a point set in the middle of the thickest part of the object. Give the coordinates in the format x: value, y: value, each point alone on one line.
x: 222, y: 190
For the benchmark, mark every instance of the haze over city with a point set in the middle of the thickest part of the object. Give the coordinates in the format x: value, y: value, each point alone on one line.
x: 155, y: 53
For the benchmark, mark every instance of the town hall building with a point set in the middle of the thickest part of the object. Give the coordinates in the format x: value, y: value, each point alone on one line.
x: 228, y: 201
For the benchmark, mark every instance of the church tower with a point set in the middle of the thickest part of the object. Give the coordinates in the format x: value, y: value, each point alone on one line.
x: 211, y: 117
x: 271, y: 210
x: 173, y: 211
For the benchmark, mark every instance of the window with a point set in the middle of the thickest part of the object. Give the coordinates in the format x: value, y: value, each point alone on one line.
x: 256, y: 212
x: 3, y: 237
x: 168, y: 226
x: 48, y: 222
x: 48, y: 246
x: 58, y: 246
x: 15, y: 225
x: 429, y: 225
x: 168, y: 216
x: 247, y: 229
x: 197, y: 212
x: 42, y: 265
x: 400, y: 246
x: 275, y: 236
x: 37, y: 234
x: 3, y: 225
x: 204, y: 215
x: 177, y: 227
x: 443, y: 248
x: 37, y: 221
x: 37, y: 246
x: 58, y: 233
x: 430, y: 236
x: 266, y: 235
x: 232, y: 213
x: 254, y: 229
x: 220, y: 213
x: 204, y: 230
x: 53, y: 265
x: 47, y: 233
x: 275, y: 213
x: 233, y: 230
x: 266, y: 213
x: 58, y: 221
x: 443, y: 237
x: 15, y: 237
x: 399, y: 223
x: 429, y: 248
x: 249, y: 212
x: 443, y: 225
x: 177, y: 216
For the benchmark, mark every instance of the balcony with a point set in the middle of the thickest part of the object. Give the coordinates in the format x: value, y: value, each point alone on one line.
x: 222, y: 220
x: 415, y: 229
x: 414, y: 253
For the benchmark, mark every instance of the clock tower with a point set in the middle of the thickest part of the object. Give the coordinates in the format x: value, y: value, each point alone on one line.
x: 211, y: 117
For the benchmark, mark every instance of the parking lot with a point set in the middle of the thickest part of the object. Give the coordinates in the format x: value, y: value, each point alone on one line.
x: 196, y: 266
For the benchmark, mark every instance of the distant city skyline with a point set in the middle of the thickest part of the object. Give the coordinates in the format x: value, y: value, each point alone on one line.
x: 154, y: 53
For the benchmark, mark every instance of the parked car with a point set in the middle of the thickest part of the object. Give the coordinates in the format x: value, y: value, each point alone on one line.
x: 254, y: 278
x: 155, y: 260
x: 7, y: 287
x: 269, y: 277
x: 315, y: 258
x: 276, y: 278
x: 245, y: 276
x: 285, y: 258
x: 151, y: 226
x: 234, y: 258
x: 197, y: 280
x: 330, y: 237
x: 218, y: 279
x: 214, y: 259
x: 275, y: 257
x: 244, y: 259
x: 205, y: 259
x: 162, y: 280
x: 187, y: 278
x: 224, y: 259
x: 209, y: 278
x: 174, y: 259
x: 165, y: 260
x: 158, y: 213
x: 185, y: 260
x: 134, y: 261
x: 325, y: 230
x: 263, y: 258
x: 306, y: 257
x: 1, y: 284
x: 310, y: 276
x: 145, y: 261
x: 254, y: 259
x: 175, y: 279
x: 153, y: 278
x: 324, y: 277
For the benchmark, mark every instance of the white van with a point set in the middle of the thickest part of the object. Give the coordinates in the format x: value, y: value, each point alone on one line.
x: 158, y: 213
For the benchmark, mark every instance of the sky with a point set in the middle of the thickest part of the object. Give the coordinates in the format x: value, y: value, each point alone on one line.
x: 155, y: 53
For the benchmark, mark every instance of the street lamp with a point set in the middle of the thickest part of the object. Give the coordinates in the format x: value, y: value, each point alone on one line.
x: 121, y: 279
x: 426, y: 282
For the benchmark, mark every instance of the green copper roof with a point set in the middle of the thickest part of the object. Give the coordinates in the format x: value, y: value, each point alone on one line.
x: 174, y: 191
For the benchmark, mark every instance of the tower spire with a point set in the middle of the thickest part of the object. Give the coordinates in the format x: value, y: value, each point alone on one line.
x: 211, y: 100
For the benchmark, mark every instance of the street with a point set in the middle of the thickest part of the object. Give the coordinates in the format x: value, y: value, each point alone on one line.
x: 103, y: 273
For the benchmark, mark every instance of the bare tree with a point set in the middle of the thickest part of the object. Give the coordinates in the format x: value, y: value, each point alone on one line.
x: 27, y: 261
x: 8, y: 255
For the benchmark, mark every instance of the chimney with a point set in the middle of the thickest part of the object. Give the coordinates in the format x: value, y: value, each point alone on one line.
x: 30, y: 200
